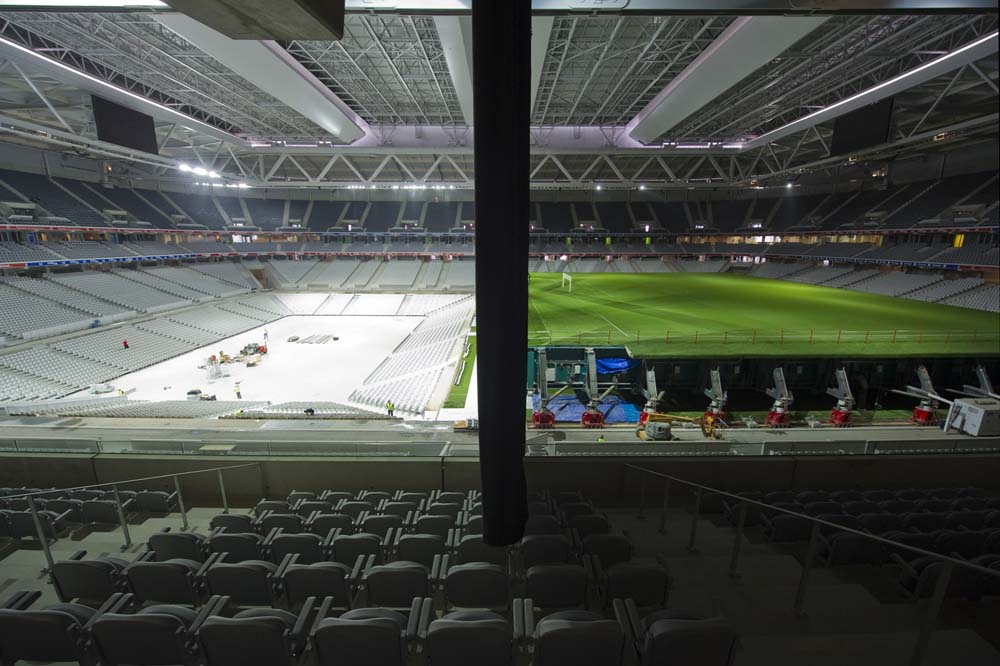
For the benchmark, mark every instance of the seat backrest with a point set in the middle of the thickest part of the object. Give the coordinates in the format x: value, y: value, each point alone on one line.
x: 541, y: 523
x: 177, y: 545
x: 472, y: 548
x: 399, y: 508
x: 439, y: 508
x: 470, y: 637
x: 154, y: 501
x: 925, y: 522
x: 394, y: 585
x: 288, y: 522
x: 355, y: 508
x: 380, y: 524
x: 816, y: 508
x: 239, y: 547
x: 45, y: 635
x: 451, y: 497
x: 477, y: 585
x: 646, y: 584
x: 438, y: 525
x: 170, y: 582
x: 233, y: 522
x: 103, y: 512
x: 239, y: 642
x: 420, y: 548
x: 278, y: 506
x: 372, y: 641
x: 147, y: 638
x: 347, y: 548
x: 247, y: 583
x: 581, y: 638
x: 299, y: 496
x: 308, y: 547
x: 336, y: 496
x: 324, y: 579
x: 91, y: 580
x: 611, y: 549
x: 324, y: 522
x: 544, y: 549
x: 556, y: 585
x: 590, y: 523
x: 877, y: 523
x: 376, y: 496
x: 707, y: 642
x: 61, y: 506
x: 308, y: 507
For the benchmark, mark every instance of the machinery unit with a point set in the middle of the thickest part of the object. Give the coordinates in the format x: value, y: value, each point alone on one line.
x: 780, y: 413
x: 652, y: 396
x: 923, y: 413
x: 979, y: 417
x: 717, y: 407
x: 840, y: 415
x: 657, y: 427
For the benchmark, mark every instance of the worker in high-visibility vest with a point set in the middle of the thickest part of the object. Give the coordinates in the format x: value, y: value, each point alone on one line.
x: 389, y: 407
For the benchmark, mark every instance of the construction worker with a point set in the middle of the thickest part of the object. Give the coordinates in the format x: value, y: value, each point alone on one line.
x: 265, y: 336
x: 600, y: 438
x: 239, y: 393
x: 125, y: 344
x: 389, y: 407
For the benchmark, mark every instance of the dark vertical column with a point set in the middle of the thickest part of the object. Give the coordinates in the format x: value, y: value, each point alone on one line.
x: 501, y: 32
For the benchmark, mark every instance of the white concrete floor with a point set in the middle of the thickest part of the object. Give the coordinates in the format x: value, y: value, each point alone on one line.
x: 289, y: 371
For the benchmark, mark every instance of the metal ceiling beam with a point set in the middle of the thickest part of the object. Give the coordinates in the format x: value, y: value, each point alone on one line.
x: 747, y: 44
x: 971, y: 52
x: 269, y: 67
x: 455, y: 35
x: 541, y: 31
x: 36, y: 62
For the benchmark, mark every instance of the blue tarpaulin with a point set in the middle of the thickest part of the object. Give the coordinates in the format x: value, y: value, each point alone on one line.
x: 610, y: 366
x: 568, y: 409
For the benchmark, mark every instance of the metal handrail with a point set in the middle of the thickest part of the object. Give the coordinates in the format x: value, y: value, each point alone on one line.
x: 813, y: 519
x: 125, y: 481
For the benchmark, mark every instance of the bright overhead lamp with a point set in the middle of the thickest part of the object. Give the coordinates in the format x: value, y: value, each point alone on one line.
x: 200, y: 171
x: 184, y: 167
x: 89, y: 4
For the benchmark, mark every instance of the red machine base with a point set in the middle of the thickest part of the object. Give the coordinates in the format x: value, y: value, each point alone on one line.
x: 840, y: 418
x: 777, y: 419
x: 592, y: 419
x: 718, y: 416
x: 924, y: 417
x: 544, y: 419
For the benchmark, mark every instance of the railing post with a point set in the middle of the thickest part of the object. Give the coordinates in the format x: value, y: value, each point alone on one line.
x: 807, y: 565
x: 933, y: 608
x: 642, y: 499
x: 121, y: 519
x: 180, y: 504
x: 695, y: 515
x: 666, y: 502
x: 734, y: 560
x: 222, y: 491
x: 42, y: 538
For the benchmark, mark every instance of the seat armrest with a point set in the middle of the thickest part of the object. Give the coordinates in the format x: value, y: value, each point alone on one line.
x: 78, y: 555
x: 212, y: 559
x: 528, y: 607
x: 416, y: 611
x: 359, y: 564
x: 409, y: 519
x: 907, y: 567
x: 172, y: 497
x: 425, y: 618
x: 64, y: 516
x: 391, y: 539
x: 435, y: 574
x: 517, y: 610
x: 22, y: 600
x: 299, y: 633
x: 127, y: 504
x: 454, y: 536
x: 286, y: 562
x: 369, y: 563
x: 327, y: 542
x: 595, y: 571
x: 310, y: 518
x: 145, y: 556
x: 575, y: 541
x: 324, y: 610
x: 116, y: 603
x: 275, y: 531
x: 625, y: 620
x: 633, y: 618
x: 214, y: 606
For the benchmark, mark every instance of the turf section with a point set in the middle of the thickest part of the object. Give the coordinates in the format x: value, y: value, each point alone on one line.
x: 694, y: 314
x: 460, y: 391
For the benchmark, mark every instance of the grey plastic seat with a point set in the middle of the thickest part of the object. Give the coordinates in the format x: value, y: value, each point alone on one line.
x: 451, y: 497
x: 646, y: 584
x: 556, y: 586
x: 849, y: 548
x: 307, y: 508
x: 355, y: 508
x: 586, y: 524
x: 578, y: 637
x: 169, y: 582
x: 257, y: 637
x: 308, y: 547
x: 394, y: 585
x: 412, y: 496
x: 570, y: 510
x: 844, y: 496
x: 877, y: 523
x: 474, y: 525
x: 472, y: 548
x: 611, y: 549
x: 860, y: 507
x: 336, y: 496
x: 238, y: 547
x: 381, y: 524
x: 233, y: 522
x: 102, y: 512
x: 470, y: 637
x: 297, y: 496
x: 539, y: 508
x: 85, y: 495
x: 155, y: 501
x: 276, y: 506
x: 439, y: 525
x: 290, y: 523
x: 248, y: 583
x: 154, y: 636
x: 21, y: 524
x: 348, y: 547
x: 52, y: 634
x: 322, y: 579
x: 177, y: 546
x: 477, y: 585
x: 90, y: 582
x: 543, y: 549
x: 420, y: 548
x: 898, y: 506
x: 72, y: 509
x: 925, y: 522
x: 322, y: 524
x: 399, y: 508
x: 376, y: 496
x: 672, y: 637
x: 541, y: 523
x: 362, y: 637
x: 450, y: 509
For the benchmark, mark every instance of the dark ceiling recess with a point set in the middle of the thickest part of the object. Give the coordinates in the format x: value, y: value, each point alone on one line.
x: 268, y: 19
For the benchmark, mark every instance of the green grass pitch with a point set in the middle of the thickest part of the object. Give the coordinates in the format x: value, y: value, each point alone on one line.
x: 699, y: 314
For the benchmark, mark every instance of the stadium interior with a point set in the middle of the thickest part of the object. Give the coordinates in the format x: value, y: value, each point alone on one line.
x: 537, y: 333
